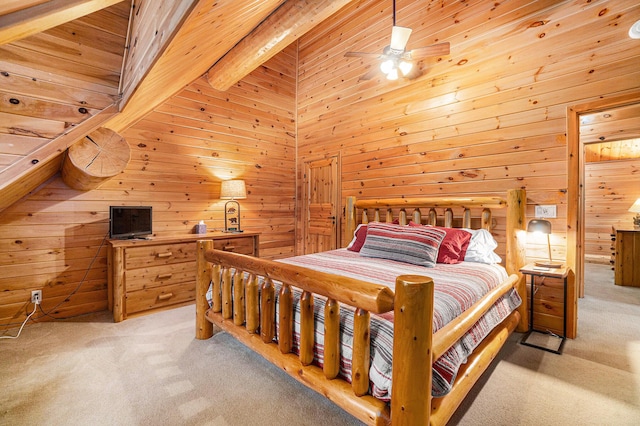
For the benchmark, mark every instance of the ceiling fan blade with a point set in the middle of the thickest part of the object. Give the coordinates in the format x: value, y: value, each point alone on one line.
x: 361, y: 54
x: 433, y: 50
x: 369, y: 75
x: 414, y: 73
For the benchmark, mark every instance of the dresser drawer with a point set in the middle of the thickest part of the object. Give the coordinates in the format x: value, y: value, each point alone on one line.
x: 139, y: 257
x: 242, y: 245
x: 154, y: 276
x: 158, y: 297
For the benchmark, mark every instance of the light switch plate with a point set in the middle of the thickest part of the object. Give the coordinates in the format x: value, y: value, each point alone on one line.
x: 546, y: 211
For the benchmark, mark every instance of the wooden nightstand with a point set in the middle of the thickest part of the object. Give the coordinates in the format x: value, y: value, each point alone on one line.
x: 547, y: 307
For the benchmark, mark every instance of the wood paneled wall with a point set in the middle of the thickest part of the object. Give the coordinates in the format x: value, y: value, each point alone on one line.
x: 54, y: 239
x: 488, y: 117
x: 612, y: 185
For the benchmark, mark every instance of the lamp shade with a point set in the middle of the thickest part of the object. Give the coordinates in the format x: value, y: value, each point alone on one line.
x: 539, y: 225
x: 233, y: 190
x: 635, y: 208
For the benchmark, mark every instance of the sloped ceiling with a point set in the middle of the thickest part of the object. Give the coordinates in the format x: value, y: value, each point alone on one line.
x: 68, y: 67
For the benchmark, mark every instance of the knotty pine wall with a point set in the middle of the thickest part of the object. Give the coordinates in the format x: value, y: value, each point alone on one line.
x: 488, y: 117
x: 54, y: 239
x: 612, y: 185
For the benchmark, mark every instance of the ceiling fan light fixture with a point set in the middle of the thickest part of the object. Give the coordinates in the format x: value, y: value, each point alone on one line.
x: 405, y: 67
x: 393, y: 74
x: 387, y: 66
x: 399, y: 37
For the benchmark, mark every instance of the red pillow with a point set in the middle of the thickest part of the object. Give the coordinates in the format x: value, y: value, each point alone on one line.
x: 361, y: 235
x: 358, y: 239
x: 454, y: 246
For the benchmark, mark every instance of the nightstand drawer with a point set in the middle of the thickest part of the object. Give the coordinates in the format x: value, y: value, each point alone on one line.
x: 158, y: 297
x: 548, y: 304
x: 242, y: 245
x: 139, y: 257
x: 155, y: 276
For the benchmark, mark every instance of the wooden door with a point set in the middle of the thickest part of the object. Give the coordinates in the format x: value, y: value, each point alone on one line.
x: 321, y: 204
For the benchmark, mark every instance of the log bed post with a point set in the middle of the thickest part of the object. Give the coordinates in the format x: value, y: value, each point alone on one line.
x: 204, y: 328
x: 412, y: 344
x: 516, y: 250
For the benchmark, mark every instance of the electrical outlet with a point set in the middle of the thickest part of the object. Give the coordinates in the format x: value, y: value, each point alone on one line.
x: 546, y: 211
x: 36, y: 296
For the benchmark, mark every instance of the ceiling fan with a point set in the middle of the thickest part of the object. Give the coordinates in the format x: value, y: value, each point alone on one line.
x: 395, y: 60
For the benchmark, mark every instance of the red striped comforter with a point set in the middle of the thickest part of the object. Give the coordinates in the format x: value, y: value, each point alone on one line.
x: 457, y: 287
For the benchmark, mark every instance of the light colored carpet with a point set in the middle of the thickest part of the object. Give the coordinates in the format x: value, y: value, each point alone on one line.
x: 150, y: 370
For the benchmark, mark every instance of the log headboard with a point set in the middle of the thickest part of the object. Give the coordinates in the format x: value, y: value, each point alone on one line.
x: 364, y: 211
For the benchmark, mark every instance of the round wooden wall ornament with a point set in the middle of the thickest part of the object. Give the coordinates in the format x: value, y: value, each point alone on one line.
x: 97, y: 157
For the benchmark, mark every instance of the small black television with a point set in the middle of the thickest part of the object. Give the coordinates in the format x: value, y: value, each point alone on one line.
x: 130, y: 221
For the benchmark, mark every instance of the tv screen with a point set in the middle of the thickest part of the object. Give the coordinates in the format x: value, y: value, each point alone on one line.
x: 130, y: 221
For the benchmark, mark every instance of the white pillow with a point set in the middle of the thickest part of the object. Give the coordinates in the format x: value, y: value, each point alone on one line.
x: 481, y: 247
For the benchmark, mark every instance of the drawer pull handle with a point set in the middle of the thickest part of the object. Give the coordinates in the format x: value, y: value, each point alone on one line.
x: 165, y: 254
x: 228, y: 248
x: 165, y: 276
x: 167, y: 296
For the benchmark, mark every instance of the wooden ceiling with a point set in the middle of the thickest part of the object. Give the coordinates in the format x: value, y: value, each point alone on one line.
x: 68, y: 67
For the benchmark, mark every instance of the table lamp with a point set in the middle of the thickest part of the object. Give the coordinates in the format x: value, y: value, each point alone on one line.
x: 544, y: 227
x: 232, y: 190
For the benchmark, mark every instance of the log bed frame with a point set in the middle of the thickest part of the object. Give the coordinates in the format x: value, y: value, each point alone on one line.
x: 238, y: 309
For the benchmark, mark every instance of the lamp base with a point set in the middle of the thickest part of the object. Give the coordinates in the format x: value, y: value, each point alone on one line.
x: 548, y: 264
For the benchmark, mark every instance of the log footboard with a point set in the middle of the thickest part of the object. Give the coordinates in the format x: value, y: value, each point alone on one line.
x: 237, y: 309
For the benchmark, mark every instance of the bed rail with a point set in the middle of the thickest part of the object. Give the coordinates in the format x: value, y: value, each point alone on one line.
x: 237, y: 307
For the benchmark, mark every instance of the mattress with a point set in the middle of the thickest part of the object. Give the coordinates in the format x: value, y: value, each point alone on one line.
x: 457, y: 288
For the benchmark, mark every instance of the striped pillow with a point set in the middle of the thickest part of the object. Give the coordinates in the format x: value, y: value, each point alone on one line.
x: 416, y: 245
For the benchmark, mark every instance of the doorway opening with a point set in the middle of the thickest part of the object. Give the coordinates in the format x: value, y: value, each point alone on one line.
x: 576, y: 178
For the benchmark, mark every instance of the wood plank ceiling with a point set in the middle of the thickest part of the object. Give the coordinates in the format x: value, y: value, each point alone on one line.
x: 69, y: 67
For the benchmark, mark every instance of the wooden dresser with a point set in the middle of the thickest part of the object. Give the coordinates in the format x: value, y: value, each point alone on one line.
x: 159, y: 273
x: 627, y: 257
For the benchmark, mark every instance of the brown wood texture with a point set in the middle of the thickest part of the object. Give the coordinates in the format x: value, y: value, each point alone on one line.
x: 331, y: 365
x: 627, y: 263
x: 34, y: 16
x: 289, y: 21
x: 173, y: 69
x: 412, y: 346
x: 488, y: 117
x: 99, y: 156
x: 53, y: 83
x: 321, y: 204
x: 307, y: 328
x: 204, y: 329
x: 146, y: 275
x: 177, y: 164
x: 611, y: 186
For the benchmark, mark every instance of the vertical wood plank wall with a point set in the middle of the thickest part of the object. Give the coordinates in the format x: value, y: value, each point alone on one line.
x: 612, y: 185
x: 488, y: 117
x: 53, y: 239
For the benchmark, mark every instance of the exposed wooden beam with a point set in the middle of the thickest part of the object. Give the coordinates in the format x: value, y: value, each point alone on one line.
x: 40, y: 17
x: 210, y: 30
x: 25, y: 175
x: 288, y: 23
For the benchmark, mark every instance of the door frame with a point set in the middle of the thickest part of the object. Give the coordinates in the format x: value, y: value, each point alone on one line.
x: 575, y: 179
